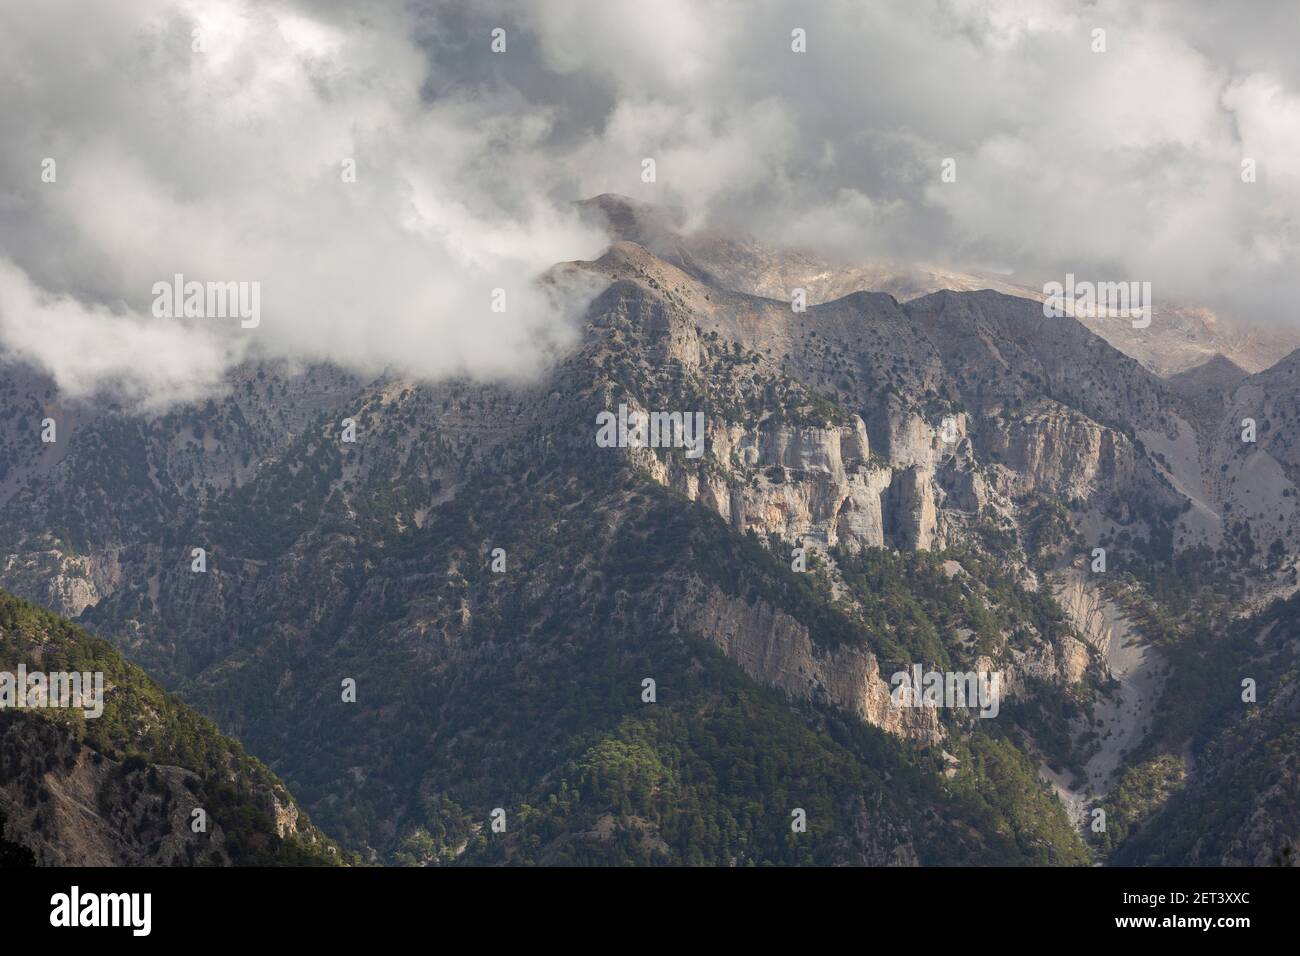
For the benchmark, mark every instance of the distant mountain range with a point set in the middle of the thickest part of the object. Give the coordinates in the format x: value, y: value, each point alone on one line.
x: 1180, y: 337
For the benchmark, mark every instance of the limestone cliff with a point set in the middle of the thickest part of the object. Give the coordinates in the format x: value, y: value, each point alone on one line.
x: 816, y: 485
x: 775, y: 650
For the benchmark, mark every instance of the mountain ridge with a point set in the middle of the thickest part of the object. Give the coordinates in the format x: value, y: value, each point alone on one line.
x: 944, y: 464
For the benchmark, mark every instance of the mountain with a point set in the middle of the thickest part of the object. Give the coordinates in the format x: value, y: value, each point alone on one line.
x: 1181, y: 335
x: 121, y: 788
x: 645, y: 654
x: 1233, y: 714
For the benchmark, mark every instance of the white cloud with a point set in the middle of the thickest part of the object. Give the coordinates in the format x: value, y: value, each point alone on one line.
x: 86, y: 347
x: 226, y: 164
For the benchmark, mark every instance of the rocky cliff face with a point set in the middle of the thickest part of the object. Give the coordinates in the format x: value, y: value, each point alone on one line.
x: 1087, y: 608
x: 1056, y: 452
x: 912, y: 509
x: 72, y: 806
x: 775, y: 650
x: 803, y: 483
x: 778, y: 651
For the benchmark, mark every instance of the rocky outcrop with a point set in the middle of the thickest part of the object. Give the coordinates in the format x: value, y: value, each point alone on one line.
x: 74, y: 807
x: 914, y: 441
x: 806, y: 483
x: 64, y: 582
x: 914, y: 519
x: 1086, y: 608
x: 776, y: 650
x: 1064, y: 662
x: 1057, y: 452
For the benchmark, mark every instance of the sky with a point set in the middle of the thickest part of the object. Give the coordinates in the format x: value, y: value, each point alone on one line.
x: 214, y: 139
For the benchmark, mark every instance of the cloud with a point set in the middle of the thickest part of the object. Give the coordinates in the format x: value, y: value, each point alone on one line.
x: 226, y: 164
x: 90, y: 347
x: 1124, y: 162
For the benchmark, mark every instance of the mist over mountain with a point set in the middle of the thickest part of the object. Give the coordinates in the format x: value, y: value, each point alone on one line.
x: 381, y: 171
